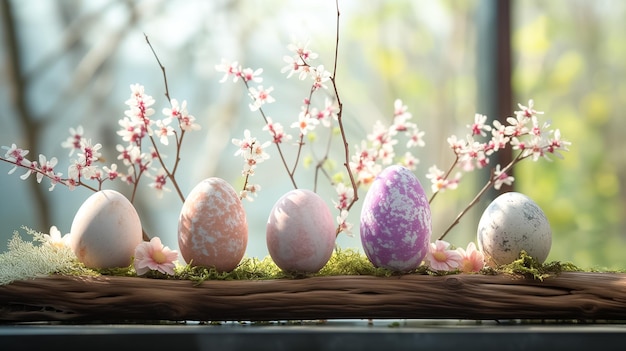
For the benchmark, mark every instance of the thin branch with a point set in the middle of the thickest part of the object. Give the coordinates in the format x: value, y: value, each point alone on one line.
x: 167, y: 91
x: 280, y: 151
x: 333, y: 79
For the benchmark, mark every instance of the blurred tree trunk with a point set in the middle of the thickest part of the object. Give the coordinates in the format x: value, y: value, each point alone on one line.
x: 494, y: 72
x: 31, y: 127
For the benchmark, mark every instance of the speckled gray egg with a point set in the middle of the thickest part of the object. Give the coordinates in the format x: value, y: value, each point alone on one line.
x: 512, y: 223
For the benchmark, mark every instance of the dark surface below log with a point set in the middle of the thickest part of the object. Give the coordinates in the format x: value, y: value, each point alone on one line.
x: 576, y: 296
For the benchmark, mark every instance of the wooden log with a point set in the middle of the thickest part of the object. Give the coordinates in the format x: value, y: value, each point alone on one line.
x: 572, y: 295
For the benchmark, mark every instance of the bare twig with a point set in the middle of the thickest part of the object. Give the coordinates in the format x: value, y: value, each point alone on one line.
x: 333, y: 79
x: 179, y: 141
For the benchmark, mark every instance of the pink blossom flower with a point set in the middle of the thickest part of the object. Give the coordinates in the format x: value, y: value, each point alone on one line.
x: 439, y: 182
x: 305, y: 123
x: 501, y: 178
x: 440, y: 258
x: 73, y: 142
x: 112, y: 172
x: 260, y: 97
x: 479, y: 127
x: 416, y: 137
x: 229, y: 69
x: 164, y: 130
x: 410, y: 161
x: 252, y: 75
x: 154, y: 256
x: 472, y: 260
x: 277, y: 131
x: 160, y: 179
x: 344, y: 226
x: 16, y: 156
x: 400, y: 110
x: 46, y: 167
x: 320, y: 76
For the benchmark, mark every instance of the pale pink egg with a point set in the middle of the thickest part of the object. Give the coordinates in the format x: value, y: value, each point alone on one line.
x: 212, y: 227
x: 105, y: 231
x: 301, y: 232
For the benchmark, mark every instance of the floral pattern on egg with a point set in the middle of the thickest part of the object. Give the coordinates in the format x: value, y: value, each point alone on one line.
x: 212, y: 227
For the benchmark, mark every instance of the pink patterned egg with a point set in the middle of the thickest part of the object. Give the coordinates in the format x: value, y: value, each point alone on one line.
x: 212, y: 227
x: 396, y: 220
x: 301, y: 232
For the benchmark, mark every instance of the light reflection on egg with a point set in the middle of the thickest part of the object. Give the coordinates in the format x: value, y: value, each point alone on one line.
x: 212, y: 226
x: 396, y: 220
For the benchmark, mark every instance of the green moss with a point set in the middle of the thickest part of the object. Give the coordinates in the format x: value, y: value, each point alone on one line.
x: 529, y: 267
x: 27, y: 259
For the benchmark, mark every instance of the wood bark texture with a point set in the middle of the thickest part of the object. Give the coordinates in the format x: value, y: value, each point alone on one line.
x: 581, y: 296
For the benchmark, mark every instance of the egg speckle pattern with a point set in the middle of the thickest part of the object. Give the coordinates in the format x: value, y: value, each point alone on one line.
x: 212, y: 226
x: 396, y: 220
x: 105, y: 231
x: 300, y: 232
x: 510, y: 224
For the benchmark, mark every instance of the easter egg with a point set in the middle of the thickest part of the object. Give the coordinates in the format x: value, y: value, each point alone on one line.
x: 212, y: 226
x: 300, y: 232
x: 511, y: 223
x: 396, y: 220
x: 105, y: 231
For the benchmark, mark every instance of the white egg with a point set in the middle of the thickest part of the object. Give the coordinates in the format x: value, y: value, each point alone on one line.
x: 105, y: 230
x: 512, y: 223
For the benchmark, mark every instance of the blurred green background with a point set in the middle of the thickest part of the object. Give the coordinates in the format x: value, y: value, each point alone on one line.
x: 67, y: 63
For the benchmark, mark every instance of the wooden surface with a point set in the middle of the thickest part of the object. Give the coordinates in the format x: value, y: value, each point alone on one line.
x: 583, y: 296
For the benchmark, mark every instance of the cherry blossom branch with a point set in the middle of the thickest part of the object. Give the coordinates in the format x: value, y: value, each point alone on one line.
x: 280, y: 151
x: 179, y: 141
x: 333, y: 79
x: 492, y: 181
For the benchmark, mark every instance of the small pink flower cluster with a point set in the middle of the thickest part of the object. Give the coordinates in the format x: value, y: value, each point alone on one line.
x: 441, y: 258
x: 308, y: 118
x: 253, y: 153
x: 522, y: 132
x: 137, y: 125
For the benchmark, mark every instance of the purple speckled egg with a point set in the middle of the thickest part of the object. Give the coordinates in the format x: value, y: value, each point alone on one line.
x: 396, y: 221
x: 300, y: 232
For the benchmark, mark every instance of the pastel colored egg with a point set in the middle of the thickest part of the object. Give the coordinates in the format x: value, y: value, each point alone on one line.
x: 396, y: 220
x: 301, y: 232
x: 512, y: 223
x: 105, y: 231
x: 212, y: 226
